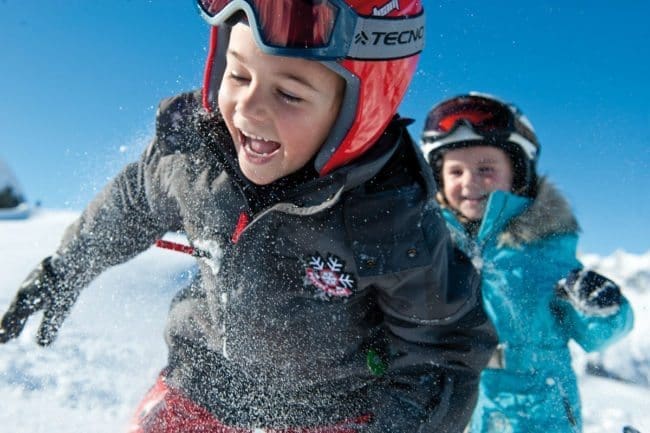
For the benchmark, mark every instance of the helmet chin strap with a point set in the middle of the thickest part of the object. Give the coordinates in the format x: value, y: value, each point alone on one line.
x: 215, y: 66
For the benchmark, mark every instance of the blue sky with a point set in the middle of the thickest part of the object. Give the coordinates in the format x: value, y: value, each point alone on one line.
x: 80, y: 82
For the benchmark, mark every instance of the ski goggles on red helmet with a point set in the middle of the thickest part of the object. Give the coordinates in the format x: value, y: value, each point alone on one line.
x: 485, y: 117
x: 321, y: 29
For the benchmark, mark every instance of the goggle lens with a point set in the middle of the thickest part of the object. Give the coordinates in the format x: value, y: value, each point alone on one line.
x: 482, y: 114
x: 287, y: 23
x: 213, y: 7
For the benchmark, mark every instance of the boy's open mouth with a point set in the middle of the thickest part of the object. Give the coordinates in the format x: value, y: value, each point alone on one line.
x: 256, y: 146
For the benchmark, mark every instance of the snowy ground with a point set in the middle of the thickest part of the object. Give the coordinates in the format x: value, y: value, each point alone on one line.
x: 111, y: 348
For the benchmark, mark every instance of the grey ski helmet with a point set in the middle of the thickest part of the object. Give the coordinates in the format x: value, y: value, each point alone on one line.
x: 480, y: 119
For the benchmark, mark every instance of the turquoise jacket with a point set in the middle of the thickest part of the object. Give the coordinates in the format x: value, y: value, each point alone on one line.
x: 522, y: 248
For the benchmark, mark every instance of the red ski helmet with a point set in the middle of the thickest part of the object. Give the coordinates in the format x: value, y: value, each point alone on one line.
x: 373, y: 44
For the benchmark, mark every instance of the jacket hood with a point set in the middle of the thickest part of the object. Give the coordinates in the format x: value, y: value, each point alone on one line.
x: 548, y: 214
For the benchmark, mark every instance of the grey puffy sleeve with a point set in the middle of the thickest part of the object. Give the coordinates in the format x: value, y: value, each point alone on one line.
x: 138, y: 206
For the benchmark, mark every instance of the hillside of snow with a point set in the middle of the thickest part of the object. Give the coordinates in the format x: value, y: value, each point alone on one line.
x: 110, y: 349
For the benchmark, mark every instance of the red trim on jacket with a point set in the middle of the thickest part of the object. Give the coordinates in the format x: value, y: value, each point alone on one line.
x: 167, y: 410
x: 243, y: 221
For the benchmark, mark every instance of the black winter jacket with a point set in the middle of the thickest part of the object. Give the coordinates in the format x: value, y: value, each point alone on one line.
x: 342, y: 296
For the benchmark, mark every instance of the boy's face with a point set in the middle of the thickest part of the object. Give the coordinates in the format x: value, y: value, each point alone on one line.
x: 470, y: 174
x: 278, y: 110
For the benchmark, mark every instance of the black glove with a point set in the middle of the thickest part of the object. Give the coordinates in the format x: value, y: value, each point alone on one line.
x: 43, y: 290
x: 590, y: 292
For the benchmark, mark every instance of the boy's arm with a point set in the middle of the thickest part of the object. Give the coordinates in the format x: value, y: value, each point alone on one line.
x: 119, y: 223
x: 109, y: 231
x: 441, y: 340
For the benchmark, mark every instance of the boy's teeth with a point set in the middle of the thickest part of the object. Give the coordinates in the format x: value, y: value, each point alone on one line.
x: 254, y: 137
x: 260, y: 145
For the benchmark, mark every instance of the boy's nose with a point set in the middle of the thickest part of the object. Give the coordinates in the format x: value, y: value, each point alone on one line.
x: 252, y: 104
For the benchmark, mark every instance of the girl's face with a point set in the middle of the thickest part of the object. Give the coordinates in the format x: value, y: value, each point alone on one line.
x: 278, y: 110
x: 470, y: 174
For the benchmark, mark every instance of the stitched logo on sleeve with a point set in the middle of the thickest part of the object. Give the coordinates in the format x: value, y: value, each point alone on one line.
x: 329, y: 276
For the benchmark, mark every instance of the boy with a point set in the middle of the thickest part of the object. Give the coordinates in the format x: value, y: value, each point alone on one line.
x: 521, y: 235
x: 330, y: 297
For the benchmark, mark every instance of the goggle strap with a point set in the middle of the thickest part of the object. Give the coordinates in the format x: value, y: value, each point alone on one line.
x: 432, y: 141
x: 374, y: 38
x: 528, y: 147
x: 459, y: 134
x: 385, y: 38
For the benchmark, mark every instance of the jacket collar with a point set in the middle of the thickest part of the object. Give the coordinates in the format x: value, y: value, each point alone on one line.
x: 548, y: 215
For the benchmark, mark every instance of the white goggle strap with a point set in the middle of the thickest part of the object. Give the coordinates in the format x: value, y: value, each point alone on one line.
x: 387, y: 38
x: 430, y: 142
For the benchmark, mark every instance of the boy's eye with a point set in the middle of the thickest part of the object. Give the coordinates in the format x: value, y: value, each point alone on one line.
x: 238, y: 78
x: 288, y: 97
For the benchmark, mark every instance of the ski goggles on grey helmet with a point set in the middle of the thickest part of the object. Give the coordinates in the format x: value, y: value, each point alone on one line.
x: 321, y: 29
x: 477, y: 118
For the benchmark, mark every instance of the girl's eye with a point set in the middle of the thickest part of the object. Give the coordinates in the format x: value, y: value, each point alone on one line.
x: 291, y: 99
x: 486, y: 170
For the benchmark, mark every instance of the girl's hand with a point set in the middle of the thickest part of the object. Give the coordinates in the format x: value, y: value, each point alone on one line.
x: 590, y: 292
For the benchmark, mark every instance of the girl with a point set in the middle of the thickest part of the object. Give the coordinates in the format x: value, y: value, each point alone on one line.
x: 521, y: 235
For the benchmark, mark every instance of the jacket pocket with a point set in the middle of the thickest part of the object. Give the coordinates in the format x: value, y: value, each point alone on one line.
x: 385, y: 231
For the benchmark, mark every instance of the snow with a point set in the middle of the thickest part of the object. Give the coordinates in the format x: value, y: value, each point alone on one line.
x: 111, y: 349
x: 19, y: 212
